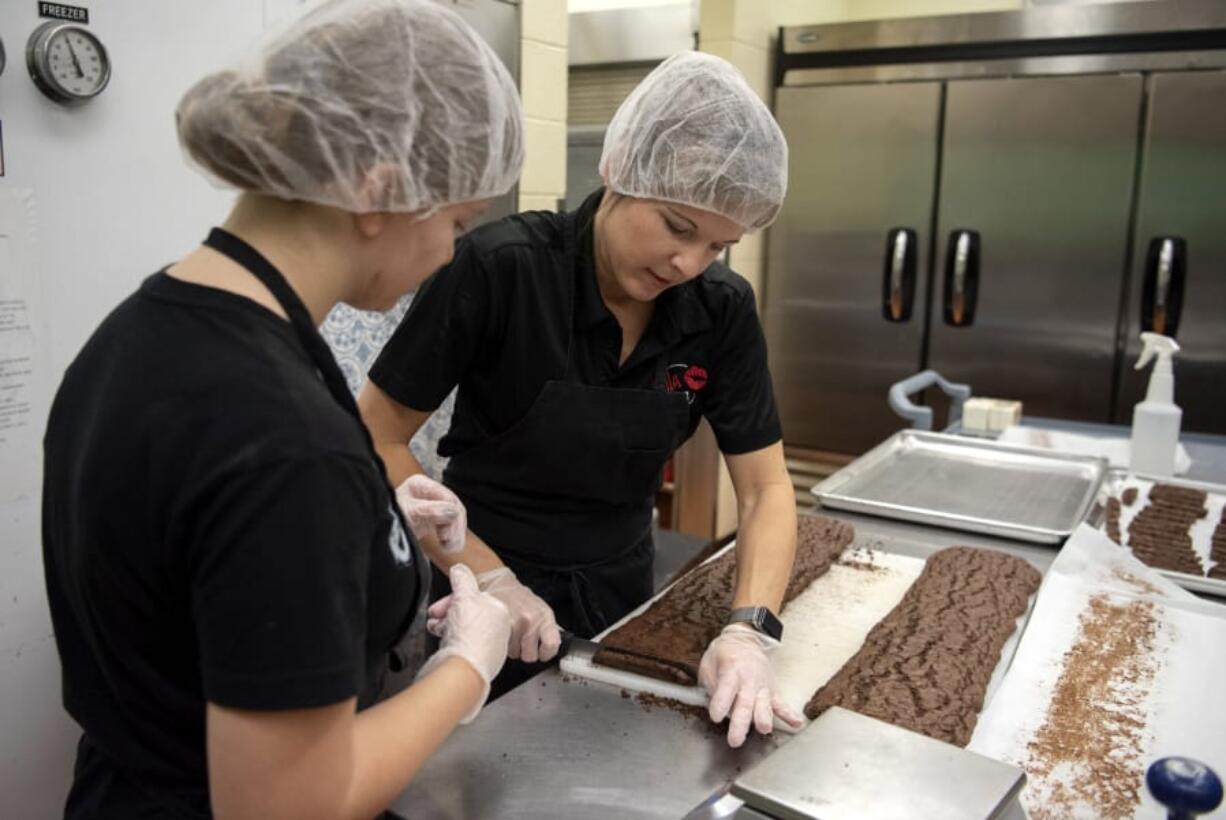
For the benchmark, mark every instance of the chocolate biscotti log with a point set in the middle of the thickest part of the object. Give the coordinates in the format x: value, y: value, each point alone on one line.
x: 1161, y: 534
x: 926, y: 665
x: 668, y: 639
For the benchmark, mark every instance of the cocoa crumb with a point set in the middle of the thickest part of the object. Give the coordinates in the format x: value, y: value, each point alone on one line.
x: 699, y: 713
x: 1139, y: 584
x: 860, y: 559
x: 1088, y: 752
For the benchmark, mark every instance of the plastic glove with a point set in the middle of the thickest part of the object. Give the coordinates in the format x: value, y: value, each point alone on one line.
x: 736, y: 672
x: 432, y: 509
x: 534, y: 630
x: 473, y: 626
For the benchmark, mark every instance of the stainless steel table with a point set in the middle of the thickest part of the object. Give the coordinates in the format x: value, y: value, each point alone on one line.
x: 572, y: 749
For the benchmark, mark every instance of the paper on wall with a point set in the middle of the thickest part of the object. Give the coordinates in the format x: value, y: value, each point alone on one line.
x: 23, y: 349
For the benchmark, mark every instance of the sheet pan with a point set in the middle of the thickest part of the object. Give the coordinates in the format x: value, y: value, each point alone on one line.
x: 1114, y: 484
x: 969, y: 484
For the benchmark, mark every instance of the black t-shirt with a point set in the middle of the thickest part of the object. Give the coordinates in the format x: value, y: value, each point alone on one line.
x: 215, y: 528
x: 498, y: 322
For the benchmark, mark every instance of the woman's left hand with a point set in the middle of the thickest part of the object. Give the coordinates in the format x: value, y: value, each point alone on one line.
x: 736, y: 672
x: 432, y: 509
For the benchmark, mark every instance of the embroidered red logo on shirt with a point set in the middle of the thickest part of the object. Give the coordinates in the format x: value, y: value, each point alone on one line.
x: 696, y: 377
x: 685, y: 378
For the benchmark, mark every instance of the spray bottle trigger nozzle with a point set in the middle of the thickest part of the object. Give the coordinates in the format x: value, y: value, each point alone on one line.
x: 1155, y: 344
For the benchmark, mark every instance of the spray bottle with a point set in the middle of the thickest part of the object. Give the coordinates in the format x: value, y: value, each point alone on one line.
x: 1155, y: 421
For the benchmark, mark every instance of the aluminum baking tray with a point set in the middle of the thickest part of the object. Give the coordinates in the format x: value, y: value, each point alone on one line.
x: 969, y: 484
x: 1117, y: 480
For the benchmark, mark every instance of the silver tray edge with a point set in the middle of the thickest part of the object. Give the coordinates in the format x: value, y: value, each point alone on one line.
x: 827, y: 490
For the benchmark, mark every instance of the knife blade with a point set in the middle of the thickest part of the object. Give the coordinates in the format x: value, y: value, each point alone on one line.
x: 573, y: 643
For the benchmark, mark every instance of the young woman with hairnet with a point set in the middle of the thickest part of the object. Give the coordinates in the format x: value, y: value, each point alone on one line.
x: 226, y: 566
x: 587, y: 346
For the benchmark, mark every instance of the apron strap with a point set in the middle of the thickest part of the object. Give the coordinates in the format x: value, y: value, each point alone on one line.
x: 238, y: 251
x: 229, y: 245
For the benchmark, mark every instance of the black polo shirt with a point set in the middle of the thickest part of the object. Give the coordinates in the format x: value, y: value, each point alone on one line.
x: 521, y: 295
x: 215, y: 529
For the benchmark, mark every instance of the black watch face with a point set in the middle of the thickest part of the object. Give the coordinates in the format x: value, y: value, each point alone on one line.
x: 770, y: 624
x: 761, y: 619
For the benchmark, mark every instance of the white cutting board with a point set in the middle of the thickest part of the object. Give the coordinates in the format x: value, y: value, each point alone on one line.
x: 822, y: 628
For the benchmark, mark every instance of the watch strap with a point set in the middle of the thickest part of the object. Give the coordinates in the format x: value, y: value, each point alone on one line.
x: 760, y: 618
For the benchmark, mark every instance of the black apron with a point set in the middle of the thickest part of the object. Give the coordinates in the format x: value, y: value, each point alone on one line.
x: 238, y: 251
x: 565, y: 495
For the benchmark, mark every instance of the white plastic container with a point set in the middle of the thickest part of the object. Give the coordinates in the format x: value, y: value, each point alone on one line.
x: 984, y: 415
x: 1155, y: 421
x: 1004, y: 413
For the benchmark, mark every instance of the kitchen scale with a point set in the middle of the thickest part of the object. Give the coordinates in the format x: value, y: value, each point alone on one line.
x: 845, y: 766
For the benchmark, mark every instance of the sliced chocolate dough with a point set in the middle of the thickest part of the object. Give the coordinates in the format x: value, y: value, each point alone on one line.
x: 668, y: 639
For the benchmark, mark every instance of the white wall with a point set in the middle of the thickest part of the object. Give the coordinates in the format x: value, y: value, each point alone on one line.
x: 114, y: 201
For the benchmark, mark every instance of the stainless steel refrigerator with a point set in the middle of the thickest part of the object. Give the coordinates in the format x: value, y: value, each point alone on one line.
x: 1011, y: 222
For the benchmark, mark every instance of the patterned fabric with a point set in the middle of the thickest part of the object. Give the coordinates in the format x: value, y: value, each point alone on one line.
x: 356, y: 337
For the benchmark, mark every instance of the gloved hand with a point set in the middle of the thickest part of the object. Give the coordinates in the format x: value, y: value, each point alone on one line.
x: 473, y: 626
x: 534, y: 630
x: 736, y: 671
x: 432, y: 509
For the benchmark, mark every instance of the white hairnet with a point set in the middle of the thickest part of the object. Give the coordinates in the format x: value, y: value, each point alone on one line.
x: 364, y: 105
x: 694, y: 132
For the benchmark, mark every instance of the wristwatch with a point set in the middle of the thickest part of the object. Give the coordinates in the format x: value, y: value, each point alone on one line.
x: 760, y: 618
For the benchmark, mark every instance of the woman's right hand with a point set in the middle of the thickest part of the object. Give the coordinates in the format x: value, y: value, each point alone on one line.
x: 473, y: 625
x: 535, y: 636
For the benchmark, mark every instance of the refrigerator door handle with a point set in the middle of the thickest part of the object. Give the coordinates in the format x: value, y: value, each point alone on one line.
x: 898, y: 282
x: 961, y: 277
x: 1162, y: 290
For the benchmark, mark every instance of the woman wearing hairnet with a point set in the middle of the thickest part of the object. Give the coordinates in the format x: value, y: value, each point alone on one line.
x: 587, y: 346
x: 226, y: 566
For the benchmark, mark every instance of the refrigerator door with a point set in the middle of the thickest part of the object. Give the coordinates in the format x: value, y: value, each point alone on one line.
x: 844, y: 309
x: 1036, y: 188
x: 1178, y: 283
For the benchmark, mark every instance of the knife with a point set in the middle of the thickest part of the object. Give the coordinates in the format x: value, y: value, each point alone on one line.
x: 573, y: 643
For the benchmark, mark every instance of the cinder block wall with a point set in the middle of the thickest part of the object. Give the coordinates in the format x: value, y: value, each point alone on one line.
x: 542, y: 82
